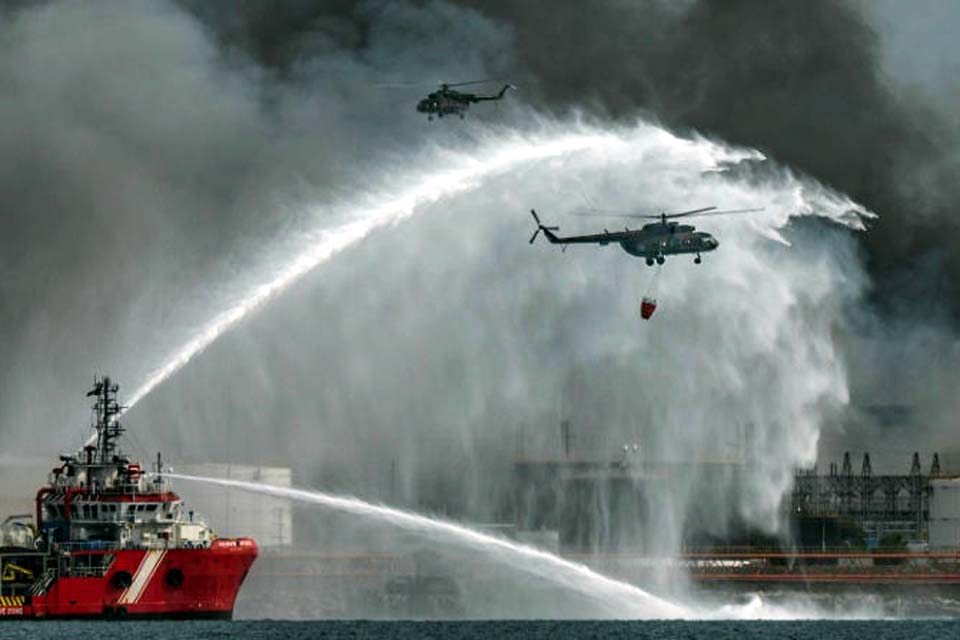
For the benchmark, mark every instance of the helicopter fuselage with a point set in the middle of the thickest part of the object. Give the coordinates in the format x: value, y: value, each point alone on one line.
x: 444, y: 103
x: 448, y: 101
x: 652, y: 242
x: 655, y: 240
x: 441, y: 103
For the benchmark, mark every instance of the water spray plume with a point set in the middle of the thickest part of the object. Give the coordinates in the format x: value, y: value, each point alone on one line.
x: 771, y: 310
x: 619, y: 599
x: 433, y: 187
x: 464, y: 171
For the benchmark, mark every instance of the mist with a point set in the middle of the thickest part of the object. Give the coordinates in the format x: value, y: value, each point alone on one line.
x: 165, y: 162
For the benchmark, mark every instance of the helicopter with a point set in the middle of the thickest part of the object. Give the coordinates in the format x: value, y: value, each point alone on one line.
x: 448, y: 101
x: 654, y: 241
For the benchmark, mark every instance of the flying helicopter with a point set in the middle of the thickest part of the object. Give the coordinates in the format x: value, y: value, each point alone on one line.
x: 448, y: 101
x: 654, y: 241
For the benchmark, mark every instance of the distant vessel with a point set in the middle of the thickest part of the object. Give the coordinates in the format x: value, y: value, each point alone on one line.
x: 109, y: 540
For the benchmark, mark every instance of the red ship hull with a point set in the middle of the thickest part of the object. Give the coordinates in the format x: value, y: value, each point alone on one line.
x: 156, y: 583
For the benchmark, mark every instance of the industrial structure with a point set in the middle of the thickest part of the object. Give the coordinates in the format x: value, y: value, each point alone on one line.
x: 841, y: 508
x: 880, y: 506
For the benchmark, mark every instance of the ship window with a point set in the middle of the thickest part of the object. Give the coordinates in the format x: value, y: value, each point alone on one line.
x: 94, y: 512
x: 151, y: 507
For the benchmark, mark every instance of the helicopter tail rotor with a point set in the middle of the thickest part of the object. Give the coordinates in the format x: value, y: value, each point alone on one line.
x: 541, y: 227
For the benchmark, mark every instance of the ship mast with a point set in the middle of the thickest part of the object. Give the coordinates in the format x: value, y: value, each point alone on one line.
x: 107, y: 411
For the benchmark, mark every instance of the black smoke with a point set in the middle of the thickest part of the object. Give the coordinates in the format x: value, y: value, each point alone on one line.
x: 804, y: 82
x: 801, y: 81
x: 151, y: 143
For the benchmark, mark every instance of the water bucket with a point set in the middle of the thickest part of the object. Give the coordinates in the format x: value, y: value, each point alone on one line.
x: 647, y: 307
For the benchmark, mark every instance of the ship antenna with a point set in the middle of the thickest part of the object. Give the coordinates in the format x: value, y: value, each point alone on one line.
x: 107, y: 410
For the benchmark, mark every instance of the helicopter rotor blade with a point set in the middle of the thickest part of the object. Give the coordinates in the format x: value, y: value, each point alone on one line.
x: 682, y: 214
x: 405, y: 85
x: 726, y: 211
x: 704, y: 211
x: 619, y: 213
x: 611, y: 215
x: 464, y: 84
x: 534, y: 236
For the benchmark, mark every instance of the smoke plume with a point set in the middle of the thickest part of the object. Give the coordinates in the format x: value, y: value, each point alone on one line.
x: 166, y: 158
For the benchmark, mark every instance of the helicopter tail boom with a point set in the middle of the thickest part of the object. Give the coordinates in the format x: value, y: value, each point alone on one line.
x: 497, y: 96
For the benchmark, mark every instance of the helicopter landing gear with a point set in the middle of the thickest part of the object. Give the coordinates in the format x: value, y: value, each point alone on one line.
x: 697, y: 260
x: 649, y: 262
x: 661, y: 259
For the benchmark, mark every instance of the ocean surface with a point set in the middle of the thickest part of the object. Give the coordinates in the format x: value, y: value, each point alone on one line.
x: 528, y: 630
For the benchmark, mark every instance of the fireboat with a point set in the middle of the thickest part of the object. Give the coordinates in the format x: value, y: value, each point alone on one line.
x: 110, y: 540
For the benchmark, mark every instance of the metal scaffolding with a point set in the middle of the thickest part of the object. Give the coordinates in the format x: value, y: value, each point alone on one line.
x: 879, y: 504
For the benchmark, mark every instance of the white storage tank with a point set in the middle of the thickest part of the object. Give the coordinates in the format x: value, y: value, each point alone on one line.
x: 945, y: 512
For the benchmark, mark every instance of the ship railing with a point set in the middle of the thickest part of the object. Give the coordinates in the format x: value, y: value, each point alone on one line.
x: 127, y: 487
x: 93, y: 545
x: 89, y: 572
x: 111, y: 546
